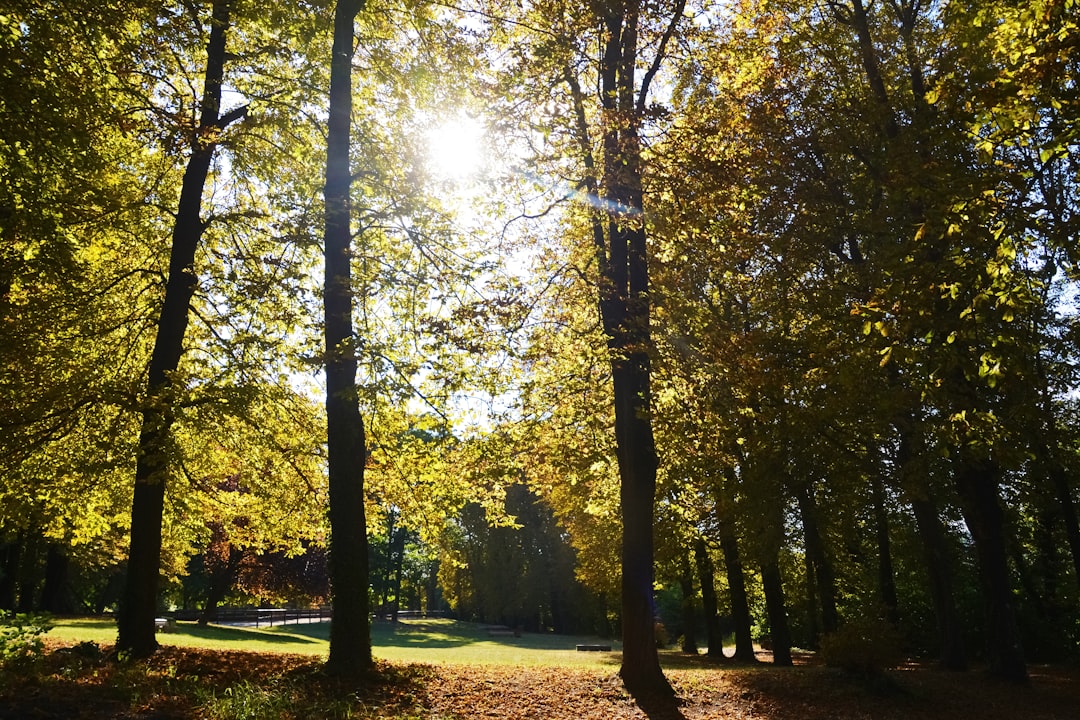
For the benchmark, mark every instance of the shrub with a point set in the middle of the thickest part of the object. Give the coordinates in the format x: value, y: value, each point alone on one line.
x: 21, y: 643
x: 864, y: 647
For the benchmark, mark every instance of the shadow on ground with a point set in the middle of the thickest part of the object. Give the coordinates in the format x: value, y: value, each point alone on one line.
x: 241, y: 635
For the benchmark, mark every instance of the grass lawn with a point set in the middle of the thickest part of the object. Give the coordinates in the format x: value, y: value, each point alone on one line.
x: 433, y: 640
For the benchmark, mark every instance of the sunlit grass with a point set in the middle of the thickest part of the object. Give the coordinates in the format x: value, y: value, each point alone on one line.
x: 76, y: 630
x: 453, y: 642
x: 190, y: 634
x: 436, y: 641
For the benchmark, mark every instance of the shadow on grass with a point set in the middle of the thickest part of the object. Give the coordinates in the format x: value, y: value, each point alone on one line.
x: 450, y: 634
x: 240, y: 635
x: 386, y: 634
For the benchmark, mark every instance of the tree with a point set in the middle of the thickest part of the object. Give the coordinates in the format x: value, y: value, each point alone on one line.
x: 350, y: 633
x: 135, y: 623
x: 620, y: 239
x: 65, y: 203
x: 514, y: 567
x: 971, y: 406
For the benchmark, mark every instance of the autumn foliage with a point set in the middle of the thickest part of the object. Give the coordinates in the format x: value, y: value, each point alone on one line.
x: 80, y: 683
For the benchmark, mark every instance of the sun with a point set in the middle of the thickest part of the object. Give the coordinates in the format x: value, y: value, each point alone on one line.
x: 455, y: 148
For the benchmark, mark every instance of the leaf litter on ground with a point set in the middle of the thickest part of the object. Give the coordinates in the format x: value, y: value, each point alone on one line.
x: 188, y: 684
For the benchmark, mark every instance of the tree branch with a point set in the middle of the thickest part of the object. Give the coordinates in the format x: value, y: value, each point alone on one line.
x: 643, y: 94
x: 232, y: 116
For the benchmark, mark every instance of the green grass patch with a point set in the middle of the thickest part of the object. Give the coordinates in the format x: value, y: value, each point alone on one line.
x: 190, y: 634
x: 414, y: 641
x: 429, y: 641
x: 76, y: 630
x: 454, y: 642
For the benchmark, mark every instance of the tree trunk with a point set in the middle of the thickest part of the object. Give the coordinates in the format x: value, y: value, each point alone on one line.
x: 9, y: 573
x: 1047, y: 560
x: 886, y: 577
x: 939, y: 568
x: 977, y: 484
x: 398, y: 547
x: 689, y: 609
x: 707, y: 576
x: 382, y: 569
x: 640, y: 669
x: 1059, y: 481
x: 815, y: 550
x: 222, y: 576
x: 813, y: 630
x: 776, y: 609
x: 350, y: 631
x: 935, y: 543
x: 29, y: 574
x: 56, y: 594
x: 740, y: 605
x: 625, y: 309
x: 619, y: 239
x: 138, y: 608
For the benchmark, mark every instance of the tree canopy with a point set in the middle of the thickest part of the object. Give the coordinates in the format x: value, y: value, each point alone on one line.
x: 760, y: 310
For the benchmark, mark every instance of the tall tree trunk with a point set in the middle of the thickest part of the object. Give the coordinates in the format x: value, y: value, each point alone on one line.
x: 977, y: 482
x: 1047, y: 559
x: 707, y: 576
x: 350, y: 631
x: 29, y: 575
x: 625, y: 309
x: 399, y: 569
x: 138, y: 607
x: 936, y: 551
x: 1049, y: 460
x: 776, y: 609
x: 56, y: 594
x: 689, y: 608
x: 886, y: 577
x: 813, y: 629
x: 938, y: 560
x: 1059, y: 480
x: 10, y: 559
x: 1048, y: 455
x: 619, y: 239
x: 815, y: 549
x: 740, y: 604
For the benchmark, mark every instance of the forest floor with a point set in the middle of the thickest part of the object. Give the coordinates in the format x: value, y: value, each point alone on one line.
x: 185, y: 684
